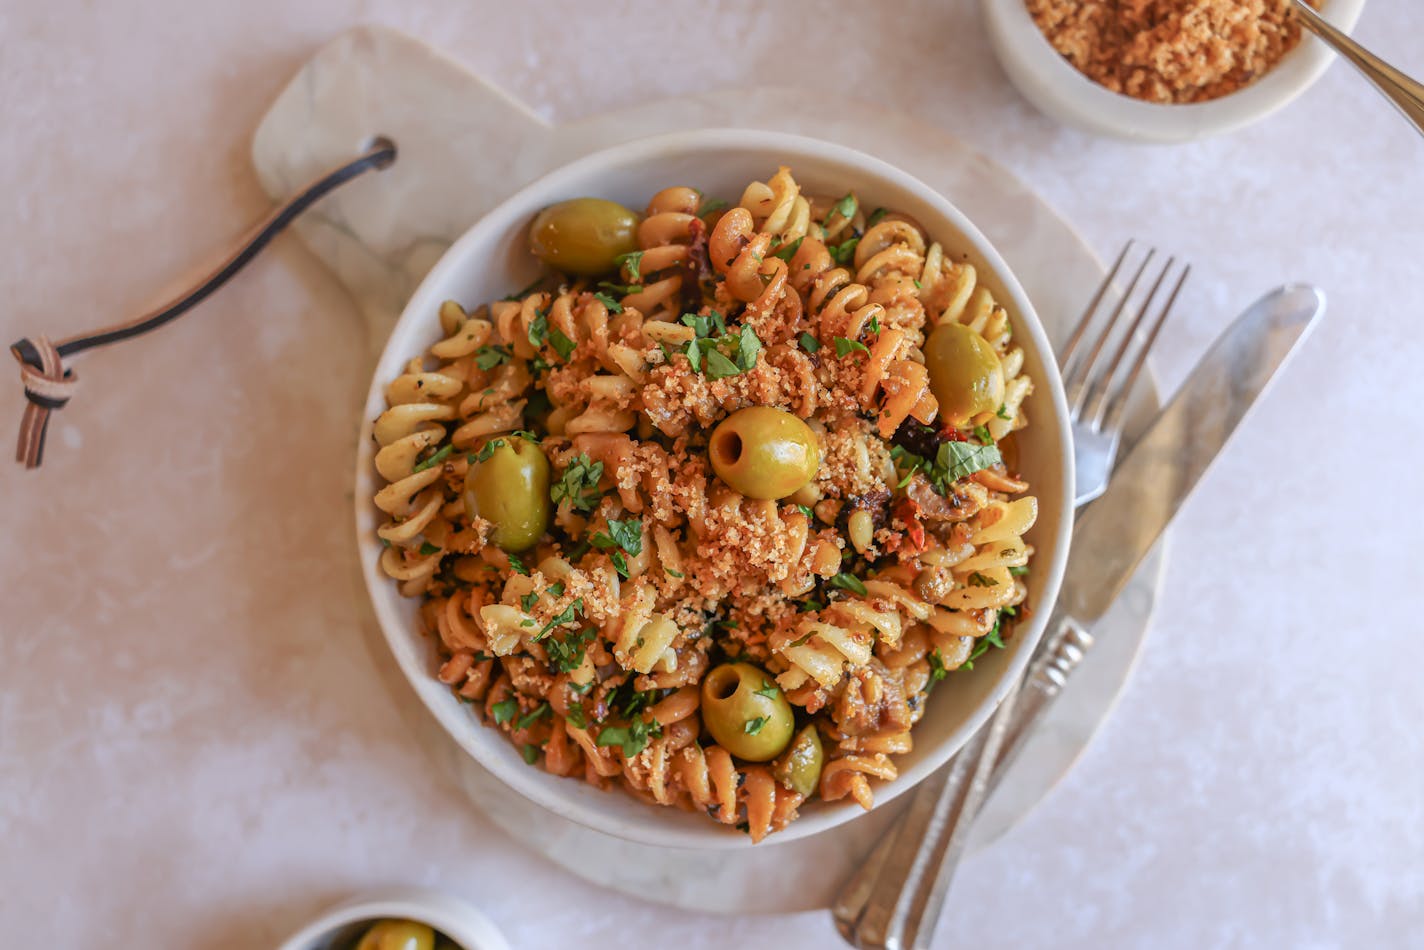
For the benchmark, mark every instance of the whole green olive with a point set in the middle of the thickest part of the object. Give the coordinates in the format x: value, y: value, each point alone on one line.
x: 511, y: 489
x: 965, y: 374
x: 764, y: 452
x: 583, y: 235
x: 746, y: 712
x: 398, y: 935
x: 799, y: 769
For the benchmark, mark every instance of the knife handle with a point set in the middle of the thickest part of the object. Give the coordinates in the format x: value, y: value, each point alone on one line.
x: 894, y: 899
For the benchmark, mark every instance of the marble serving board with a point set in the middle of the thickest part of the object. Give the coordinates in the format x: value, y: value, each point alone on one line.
x: 464, y: 146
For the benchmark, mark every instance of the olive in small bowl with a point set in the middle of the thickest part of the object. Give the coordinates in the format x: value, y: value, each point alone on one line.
x: 509, y: 487
x: 584, y: 236
x: 746, y: 712
x: 965, y: 374
x: 764, y: 453
x: 397, y: 935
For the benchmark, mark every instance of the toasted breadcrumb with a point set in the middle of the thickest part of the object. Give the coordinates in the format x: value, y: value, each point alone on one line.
x: 1170, y: 51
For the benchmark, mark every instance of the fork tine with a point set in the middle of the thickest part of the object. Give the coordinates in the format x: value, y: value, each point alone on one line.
x: 1118, y: 403
x: 1091, y: 310
x: 1101, y: 388
x: 1078, y: 376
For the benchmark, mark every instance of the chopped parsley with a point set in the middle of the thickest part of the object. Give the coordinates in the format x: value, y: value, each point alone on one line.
x: 808, y: 343
x: 633, y: 260
x: 427, y: 549
x: 806, y: 510
x: 621, y: 290
x: 627, y: 535
x: 874, y: 325
x: 1003, y: 413
x: 1018, y: 571
x: 768, y: 689
x: 875, y: 217
x: 938, y: 671
x: 528, y: 601
x: 539, y: 329
x: 612, y: 305
x: 789, y: 251
x: 846, y: 207
x: 982, y: 646
x: 434, y: 460
x: 632, y: 738
x: 844, y: 346
x: 982, y: 434
x: 530, y: 753
x: 576, y: 717
x: 488, y: 449
x: 982, y: 580
x: 579, y: 483
x: 568, y: 615
x: 526, y: 435
x: 753, y: 726
x: 505, y: 711
x: 561, y: 343
x: 488, y: 357
x: 671, y: 573
x: 849, y: 582
x: 566, y: 655
x: 556, y: 589
x: 962, y: 459
x: 845, y: 251
x: 728, y: 354
x: 516, y: 565
x: 533, y: 716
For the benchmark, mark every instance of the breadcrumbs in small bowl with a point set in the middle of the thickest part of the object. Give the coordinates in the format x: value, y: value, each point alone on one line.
x: 1160, y: 70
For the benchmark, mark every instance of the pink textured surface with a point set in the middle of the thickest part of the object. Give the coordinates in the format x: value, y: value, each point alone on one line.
x: 196, y: 751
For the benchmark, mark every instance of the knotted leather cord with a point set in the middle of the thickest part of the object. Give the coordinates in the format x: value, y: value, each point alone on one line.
x: 49, y: 384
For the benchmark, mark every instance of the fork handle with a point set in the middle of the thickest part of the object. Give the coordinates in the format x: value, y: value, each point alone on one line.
x: 893, y: 902
x: 1407, y: 94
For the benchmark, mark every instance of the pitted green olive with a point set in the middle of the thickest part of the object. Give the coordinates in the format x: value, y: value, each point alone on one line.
x: 397, y: 935
x: 746, y: 712
x: 583, y: 235
x: 764, y: 452
x: 799, y: 769
x: 511, y: 489
x: 965, y: 374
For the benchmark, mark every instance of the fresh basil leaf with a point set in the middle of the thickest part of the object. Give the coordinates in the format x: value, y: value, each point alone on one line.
x: 962, y: 459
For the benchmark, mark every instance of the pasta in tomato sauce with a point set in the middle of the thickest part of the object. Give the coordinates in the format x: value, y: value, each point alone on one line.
x: 707, y: 513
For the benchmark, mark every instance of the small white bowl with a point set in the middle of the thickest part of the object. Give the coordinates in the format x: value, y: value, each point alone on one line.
x: 340, y: 927
x: 492, y: 258
x: 1059, y: 90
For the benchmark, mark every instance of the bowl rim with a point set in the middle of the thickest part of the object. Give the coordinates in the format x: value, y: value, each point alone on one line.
x: 1060, y: 90
x: 537, y: 785
x: 457, y: 919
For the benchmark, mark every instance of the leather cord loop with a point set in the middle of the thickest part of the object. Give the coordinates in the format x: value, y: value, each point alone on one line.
x: 49, y: 384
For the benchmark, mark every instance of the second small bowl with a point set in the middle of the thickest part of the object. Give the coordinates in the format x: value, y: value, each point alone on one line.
x: 1059, y: 90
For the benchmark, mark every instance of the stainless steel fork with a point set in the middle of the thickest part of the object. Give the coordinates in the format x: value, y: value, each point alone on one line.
x: 1097, y: 388
x: 894, y: 899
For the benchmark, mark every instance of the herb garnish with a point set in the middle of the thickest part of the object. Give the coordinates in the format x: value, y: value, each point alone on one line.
x: 488, y: 357
x: 844, y: 346
x: 789, y: 251
x: 538, y: 329
x: 768, y: 689
x: 808, y: 343
x: 607, y: 301
x: 632, y: 260
x: 517, y: 565
x: 427, y: 549
x: 530, y: 753
x: 505, y: 711
x: 579, y: 483
x: 846, y: 207
x: 848, y: 582
x: 716, y: 204
x: 844, y: 252
x: 628, y: 535
x: 982, y: 580
x: 561, y: 344
x: 434, y: 460
x: 568, y: 615
x: 632, y: 738
x: 982, y: 434
x: 875, y: 217
x: 753, y: 726
x: 488, y: 449
x: 565, y: 655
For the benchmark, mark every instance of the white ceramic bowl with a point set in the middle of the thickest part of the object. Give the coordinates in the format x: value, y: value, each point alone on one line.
x: 1052, y: 84
x: 340, y: 927
x: 491, y: 259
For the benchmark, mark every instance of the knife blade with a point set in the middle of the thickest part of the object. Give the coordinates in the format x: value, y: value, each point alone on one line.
x: 1115, y: 533
x: 1110, y: 540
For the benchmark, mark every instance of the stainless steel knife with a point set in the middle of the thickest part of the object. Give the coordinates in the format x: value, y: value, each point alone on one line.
x: 895, y: 898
